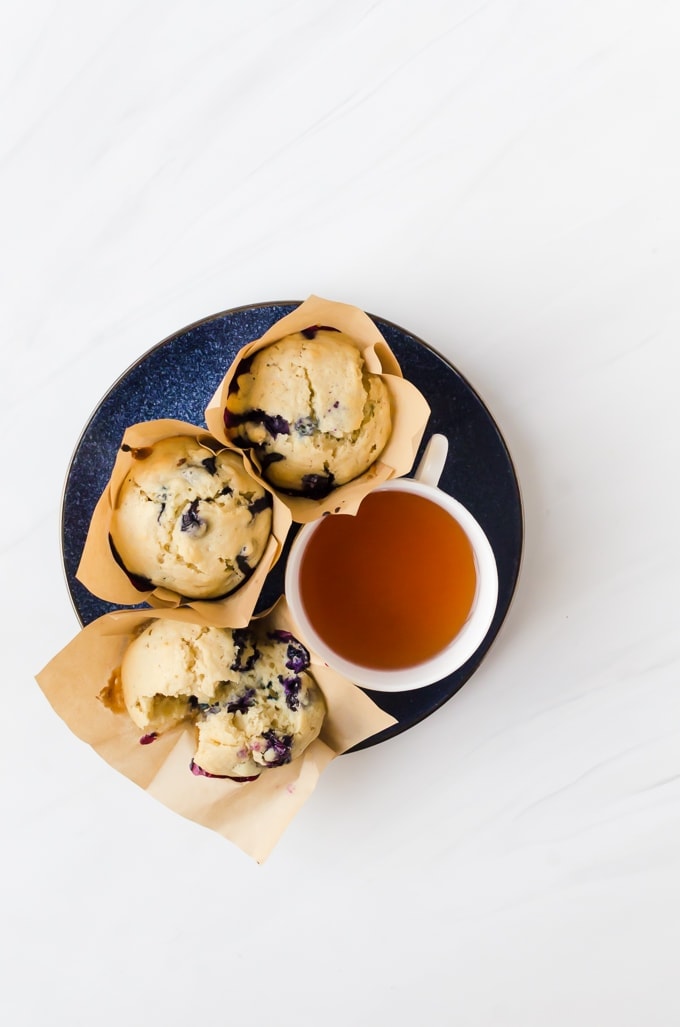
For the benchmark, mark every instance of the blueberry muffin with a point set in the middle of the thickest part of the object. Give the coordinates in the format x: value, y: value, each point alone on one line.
x: 312, y: 413
x: 189, y: 519
x: 250, y: 694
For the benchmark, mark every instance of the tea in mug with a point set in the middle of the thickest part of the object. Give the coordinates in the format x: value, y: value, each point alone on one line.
x: 392, y: 585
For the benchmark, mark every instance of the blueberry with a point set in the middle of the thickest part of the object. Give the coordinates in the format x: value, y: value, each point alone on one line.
x: 297, y: 657
x: 317, y: 486
x: 258, y: 505
x: 209, y: 464
x: 243, y: 368
x: 190, y: 519
x: 278, y: 751
x: 305, y: 425
x: 242, y: 702
x: 207, y: 708
x: 231, y: 420
x: 242, y: 642
x: 243, y: 565
x: 291, y: 689
x: 139, y: 582
x: 274, y: 423
x: 281, y: 636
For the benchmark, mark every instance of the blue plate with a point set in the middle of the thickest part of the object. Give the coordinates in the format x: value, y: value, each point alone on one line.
x: 178, y: 377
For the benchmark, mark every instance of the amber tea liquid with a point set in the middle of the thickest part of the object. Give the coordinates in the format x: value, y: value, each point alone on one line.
x: 390, y: 586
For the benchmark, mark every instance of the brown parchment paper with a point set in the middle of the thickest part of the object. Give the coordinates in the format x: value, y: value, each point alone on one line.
x: 410, y: 410
x: 252, y: 815
x: 99, y: 571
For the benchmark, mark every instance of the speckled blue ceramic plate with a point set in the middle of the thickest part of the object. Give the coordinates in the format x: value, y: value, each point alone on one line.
x: 178, y: 377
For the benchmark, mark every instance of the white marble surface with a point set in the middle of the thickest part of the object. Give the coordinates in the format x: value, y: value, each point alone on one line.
x: 501, y: 178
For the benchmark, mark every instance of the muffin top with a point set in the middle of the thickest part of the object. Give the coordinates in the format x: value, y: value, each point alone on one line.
x: 189, y: 519
x: 249, y: 693
x: 313, y: 414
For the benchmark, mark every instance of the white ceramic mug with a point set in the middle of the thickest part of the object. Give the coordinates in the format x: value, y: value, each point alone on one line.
x: 474, y: 630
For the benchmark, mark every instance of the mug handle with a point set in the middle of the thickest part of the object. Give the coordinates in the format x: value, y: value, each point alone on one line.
x: 432, y: 462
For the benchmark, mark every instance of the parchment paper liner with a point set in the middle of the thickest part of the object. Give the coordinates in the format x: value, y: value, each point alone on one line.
x: 252, y: 815
x: 102, y: 575
x: 410, y: 410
